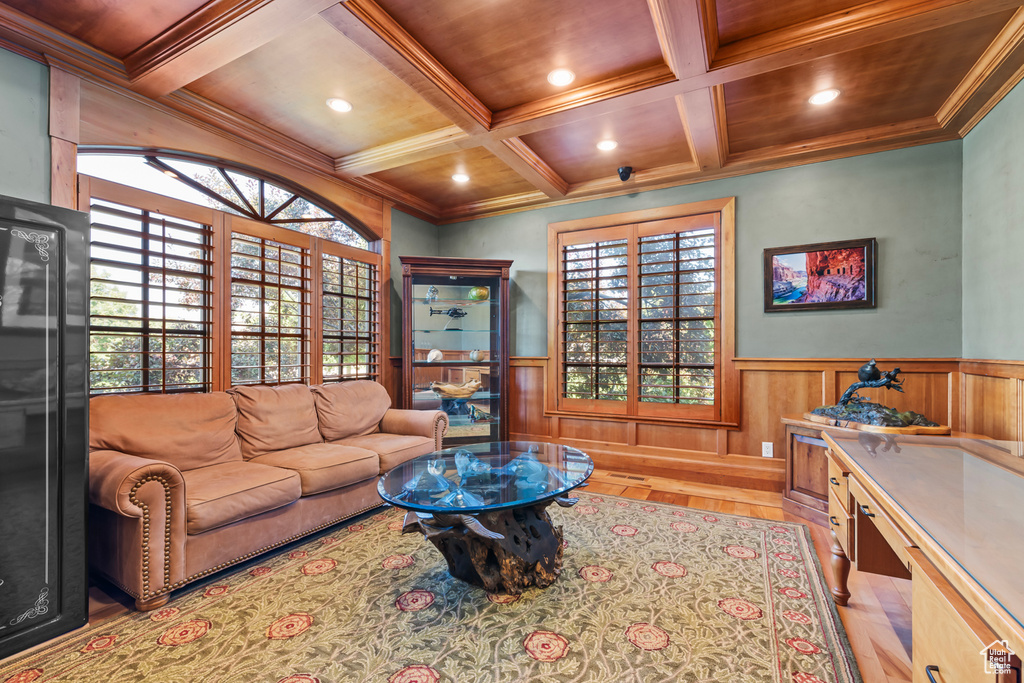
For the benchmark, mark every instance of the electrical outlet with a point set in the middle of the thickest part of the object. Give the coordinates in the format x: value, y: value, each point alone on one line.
x: 767, y: 449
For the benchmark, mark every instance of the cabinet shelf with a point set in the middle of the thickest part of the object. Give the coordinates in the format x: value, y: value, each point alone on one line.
x: 428, y: 363
x: 429, y: 331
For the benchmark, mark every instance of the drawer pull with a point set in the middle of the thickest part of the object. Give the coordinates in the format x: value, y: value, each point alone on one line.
x: 929, y: 669
x: 835, y: 482
x: 864, y: 511
x: 833, y: 520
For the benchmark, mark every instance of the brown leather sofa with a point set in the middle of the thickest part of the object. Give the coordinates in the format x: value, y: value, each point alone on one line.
x: 183, y: 485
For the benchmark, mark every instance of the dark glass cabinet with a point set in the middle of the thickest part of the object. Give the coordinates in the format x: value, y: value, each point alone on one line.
x: 43, y: 422
x: 455, y: 343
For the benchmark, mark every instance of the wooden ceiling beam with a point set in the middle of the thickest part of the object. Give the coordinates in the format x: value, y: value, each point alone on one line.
x: 703, y: 116
x: 865, y: 25
x: 401, y: 152
x: 612, y: 88
x: 216, y: 34
x: 1003, y: 48
x: 687, y: 32
x: 376, y: 33
x: 518, y: 156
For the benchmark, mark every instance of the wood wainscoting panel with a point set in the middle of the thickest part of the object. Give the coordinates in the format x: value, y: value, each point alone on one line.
x: 767, y: 395
x: 604, y: 432
x: 923, y: 392
x: 973, y: 396
x: 526, y: 402
x: 992, y: 406
x: 673, y: 436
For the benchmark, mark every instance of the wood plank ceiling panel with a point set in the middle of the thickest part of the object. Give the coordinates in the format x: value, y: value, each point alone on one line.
x: 432, y: 178
x: 285, y: 85
x: 502, y: 50
x: 650, y: 136
x: 114, y: 26
x: 884, y: 84
x: 739, y: 19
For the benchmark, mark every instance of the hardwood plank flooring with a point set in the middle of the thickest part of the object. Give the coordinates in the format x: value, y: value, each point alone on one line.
x: 877, y: 620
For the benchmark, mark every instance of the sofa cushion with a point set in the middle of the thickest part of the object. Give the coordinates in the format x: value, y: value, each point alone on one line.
x: 185, y: 430
x: 393, y: 449
x: 350, y: 408
x: 225, y: 493
x: 275, y: 418
x: 323, y: 466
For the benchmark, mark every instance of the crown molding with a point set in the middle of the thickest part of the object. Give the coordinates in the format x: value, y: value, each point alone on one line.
x: 998, y: 52
x: 405, y: 201
x: 55, y: 46
x: 212, y: 36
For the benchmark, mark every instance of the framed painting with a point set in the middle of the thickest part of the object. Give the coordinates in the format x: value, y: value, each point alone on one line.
x: 820, y: 277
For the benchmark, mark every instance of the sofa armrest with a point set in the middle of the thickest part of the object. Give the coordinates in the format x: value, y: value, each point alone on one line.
x: 138, y: 540
x: 429, y: 423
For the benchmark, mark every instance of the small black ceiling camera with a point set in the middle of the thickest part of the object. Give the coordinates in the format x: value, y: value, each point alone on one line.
x: 625, y: 172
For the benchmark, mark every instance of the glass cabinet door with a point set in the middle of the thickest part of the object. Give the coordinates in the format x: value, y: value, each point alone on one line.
x: 456, y: 353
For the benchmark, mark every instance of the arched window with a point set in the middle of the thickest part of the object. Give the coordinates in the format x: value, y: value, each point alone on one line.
x: 235, y: 189
x: 293, y: 283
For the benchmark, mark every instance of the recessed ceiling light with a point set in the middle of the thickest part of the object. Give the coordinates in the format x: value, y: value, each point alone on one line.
x: 561, y: 77
x: 824, y: 97
x: 460, y: 178
x: 607, y: 145
x: 338, y: 104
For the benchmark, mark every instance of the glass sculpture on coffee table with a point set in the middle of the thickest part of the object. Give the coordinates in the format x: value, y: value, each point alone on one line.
x: 483, y: 507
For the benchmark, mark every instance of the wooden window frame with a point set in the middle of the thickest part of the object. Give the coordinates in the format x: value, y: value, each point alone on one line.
x: 373, y: 260
x: 725, y: 411
x: 223, y: 225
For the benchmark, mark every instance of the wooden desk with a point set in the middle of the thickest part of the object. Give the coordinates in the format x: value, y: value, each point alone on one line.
x: 948, y: 513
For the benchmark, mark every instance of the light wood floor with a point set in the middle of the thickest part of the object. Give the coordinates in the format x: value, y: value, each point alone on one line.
x: 877, y: 619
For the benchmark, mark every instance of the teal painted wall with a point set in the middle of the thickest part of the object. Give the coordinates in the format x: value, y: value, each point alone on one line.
x: 24, y: 128
x: 410, y: 236
x: 993, y: 233
x: 909, y: 199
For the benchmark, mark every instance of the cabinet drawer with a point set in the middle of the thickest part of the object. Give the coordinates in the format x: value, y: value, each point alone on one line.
x: 870, y: 510
x: 838, y: 482
x: 948, y: 635
x: 840, y: 521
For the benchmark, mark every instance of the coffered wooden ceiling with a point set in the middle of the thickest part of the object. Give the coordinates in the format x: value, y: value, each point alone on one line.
x: 689, y: 89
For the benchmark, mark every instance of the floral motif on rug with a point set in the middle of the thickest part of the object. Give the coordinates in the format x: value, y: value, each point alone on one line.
x: 648, y: 592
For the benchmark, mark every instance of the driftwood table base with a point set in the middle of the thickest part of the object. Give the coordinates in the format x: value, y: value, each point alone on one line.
x: 502, y: 551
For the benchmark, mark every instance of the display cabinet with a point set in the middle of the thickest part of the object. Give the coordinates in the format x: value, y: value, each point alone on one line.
x: 455, y: 343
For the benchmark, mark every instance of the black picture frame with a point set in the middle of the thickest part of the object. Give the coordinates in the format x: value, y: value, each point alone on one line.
x: 855, y: 272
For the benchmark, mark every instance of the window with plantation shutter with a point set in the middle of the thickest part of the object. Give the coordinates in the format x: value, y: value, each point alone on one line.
x: 643, y: 315
x: 677, y: 317
x: 150, y: 301
x: 186, y: 297
x: 595, y: 317
x: 350, y: 320
x: 270, y: 284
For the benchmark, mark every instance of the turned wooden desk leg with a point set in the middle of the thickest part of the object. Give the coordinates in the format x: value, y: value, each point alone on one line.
x: 840, y: 572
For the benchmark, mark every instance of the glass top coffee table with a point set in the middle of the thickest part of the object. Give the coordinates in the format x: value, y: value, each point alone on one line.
x: 484, y: 507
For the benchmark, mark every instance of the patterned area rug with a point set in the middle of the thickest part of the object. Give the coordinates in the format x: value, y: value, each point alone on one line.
x: 648, y: 593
